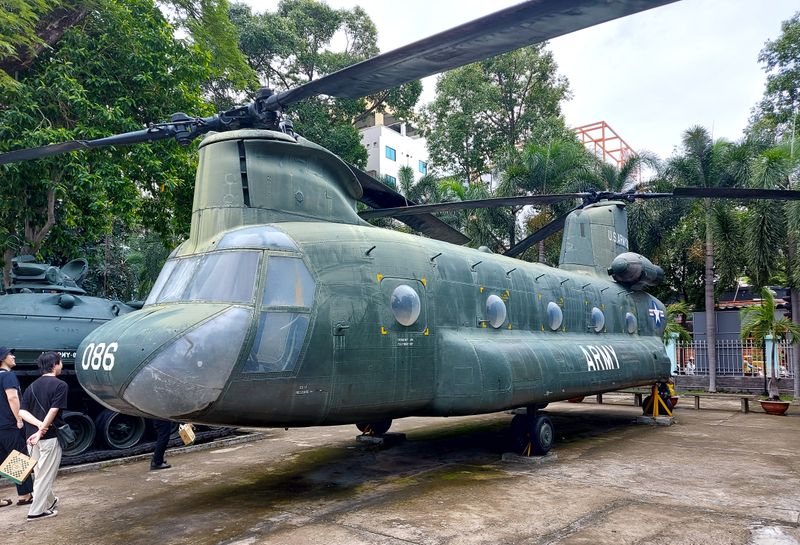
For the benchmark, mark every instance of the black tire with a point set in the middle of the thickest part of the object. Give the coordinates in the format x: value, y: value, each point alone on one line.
x: 83, y: 427
x: 647, y: 405
x: 543, y: 435
x: 378, y: 427
x: 539, y: 442
x: 119, y: 431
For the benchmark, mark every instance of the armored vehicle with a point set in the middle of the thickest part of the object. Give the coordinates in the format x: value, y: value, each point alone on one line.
x: 45, y: 308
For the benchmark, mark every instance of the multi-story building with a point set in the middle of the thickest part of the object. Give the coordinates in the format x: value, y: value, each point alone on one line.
x: 392, y: 144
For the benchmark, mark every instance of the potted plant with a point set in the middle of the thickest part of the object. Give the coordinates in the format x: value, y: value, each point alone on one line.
x: 759, y: 322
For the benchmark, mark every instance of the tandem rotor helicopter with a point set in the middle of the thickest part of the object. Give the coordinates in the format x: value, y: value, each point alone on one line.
x: 285, y: 308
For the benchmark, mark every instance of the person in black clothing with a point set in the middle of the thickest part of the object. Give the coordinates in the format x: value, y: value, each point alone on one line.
x: 163, y: 429
x: 11, y: 434
x: 42, y: 403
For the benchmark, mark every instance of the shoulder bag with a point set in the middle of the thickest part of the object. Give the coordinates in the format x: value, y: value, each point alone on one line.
x: 64, y: 433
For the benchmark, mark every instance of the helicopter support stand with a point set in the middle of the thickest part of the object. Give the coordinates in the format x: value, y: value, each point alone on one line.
x: 376, y: 433
x: 385, y: 440
x: 657, y: 410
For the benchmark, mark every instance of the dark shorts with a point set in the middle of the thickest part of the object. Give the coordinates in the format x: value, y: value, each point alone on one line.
x: 15, y: 440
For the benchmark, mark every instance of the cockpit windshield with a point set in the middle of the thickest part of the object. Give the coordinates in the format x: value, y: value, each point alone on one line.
x: 220, y: 277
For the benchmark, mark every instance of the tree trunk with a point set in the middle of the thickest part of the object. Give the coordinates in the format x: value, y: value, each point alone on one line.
x: 541, y: 251
x: 711, y: 318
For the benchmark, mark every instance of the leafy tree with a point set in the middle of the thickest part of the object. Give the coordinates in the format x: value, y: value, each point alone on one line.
x: 706, y: 163
x: 92, y: 84
x: 559, y: 164
x: 292, y: 46
x: 482, y: 112
x: 19, y: 41
x: 779, y: 109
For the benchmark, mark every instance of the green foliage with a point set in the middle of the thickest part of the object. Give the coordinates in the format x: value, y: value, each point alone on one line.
x: 213, y: 33
x: 759, y: 321
x: 777, y: 114
x: 18, y: 19
x: 92, y: 84
x: 292, y: 46
x: 675, y: 310
x: 483, y: 111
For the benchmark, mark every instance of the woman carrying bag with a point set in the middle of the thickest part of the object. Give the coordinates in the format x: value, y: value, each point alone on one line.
x: 41, y: 407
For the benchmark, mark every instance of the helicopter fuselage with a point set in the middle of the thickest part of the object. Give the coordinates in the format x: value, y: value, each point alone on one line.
x: 318, y: 342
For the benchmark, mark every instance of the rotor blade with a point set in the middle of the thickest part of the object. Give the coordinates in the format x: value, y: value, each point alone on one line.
x: 190, y: 127
x: 511, y: 28
x: 379, y: 195
x: 551, y: 228
x: 466, y: 205
x: 737, y: 193
x: 145, y: 135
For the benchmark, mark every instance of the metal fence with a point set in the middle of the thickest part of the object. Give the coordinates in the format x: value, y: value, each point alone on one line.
x: 735, y: 358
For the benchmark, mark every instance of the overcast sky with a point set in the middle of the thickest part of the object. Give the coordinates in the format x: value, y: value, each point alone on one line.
x: 650, y: 76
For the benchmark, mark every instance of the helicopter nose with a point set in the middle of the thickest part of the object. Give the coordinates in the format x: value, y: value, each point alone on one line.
x: 167, y: 361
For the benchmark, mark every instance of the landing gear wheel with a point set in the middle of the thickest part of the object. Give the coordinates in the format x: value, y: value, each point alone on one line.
x: 647, y: 405
x: 536, y: 439
x: 83, y: 427
x: 378, y: 427
x: 119, y: 431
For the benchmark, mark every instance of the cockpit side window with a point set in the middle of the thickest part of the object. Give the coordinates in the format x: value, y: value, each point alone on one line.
x: 281, y: 330
x: 288, y: 283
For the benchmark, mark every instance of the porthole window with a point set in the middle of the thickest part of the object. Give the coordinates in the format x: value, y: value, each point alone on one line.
x: 495, y: 311
x: 554, y: 315
x: 598, y: 320
x: 405, y: 305
x: 630, y: 323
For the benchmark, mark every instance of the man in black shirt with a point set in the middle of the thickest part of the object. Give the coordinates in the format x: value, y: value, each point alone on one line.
x: 11, y: 435
x: 41, y: 409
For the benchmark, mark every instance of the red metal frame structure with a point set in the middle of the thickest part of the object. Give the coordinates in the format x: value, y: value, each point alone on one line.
x: 604, y: 142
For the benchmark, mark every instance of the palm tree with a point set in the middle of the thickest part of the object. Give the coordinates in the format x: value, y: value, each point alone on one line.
x: 772, y: 228
x: 673, y: 311
x: 705, y: 163
x: 758, y: 322
x: 558, y: 165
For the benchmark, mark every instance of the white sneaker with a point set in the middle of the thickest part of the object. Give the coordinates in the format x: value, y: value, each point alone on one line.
x: 43, y: 515
x: 53, y: 505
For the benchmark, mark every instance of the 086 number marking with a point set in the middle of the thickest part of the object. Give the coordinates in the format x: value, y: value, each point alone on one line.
x: 99, y: 355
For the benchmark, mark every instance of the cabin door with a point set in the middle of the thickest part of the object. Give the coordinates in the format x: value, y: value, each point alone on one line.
x: 407, y: 335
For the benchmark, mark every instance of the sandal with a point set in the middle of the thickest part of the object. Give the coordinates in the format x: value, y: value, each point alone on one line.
x: 6, y: 503
x: 25, y: 502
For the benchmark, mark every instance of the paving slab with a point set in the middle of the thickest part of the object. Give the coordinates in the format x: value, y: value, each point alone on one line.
x: 716, y: 476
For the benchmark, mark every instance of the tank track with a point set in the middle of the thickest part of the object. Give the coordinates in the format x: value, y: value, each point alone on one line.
x: 142, y: 447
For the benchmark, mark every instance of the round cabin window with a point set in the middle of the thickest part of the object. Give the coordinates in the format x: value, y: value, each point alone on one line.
x: 630, y: 323
x: 405, y: 305
x: 598, y: 320
x: 495, y: 311
x: 554, y: 315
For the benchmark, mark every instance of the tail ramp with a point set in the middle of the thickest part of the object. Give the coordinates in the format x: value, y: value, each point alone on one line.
x: 593, y: 237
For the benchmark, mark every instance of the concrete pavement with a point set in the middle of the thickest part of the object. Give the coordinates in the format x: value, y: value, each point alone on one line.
x: 716, y: 477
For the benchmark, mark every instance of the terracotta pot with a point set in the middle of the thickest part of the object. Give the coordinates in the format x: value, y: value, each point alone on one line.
x: 774, y: 407
x: 576, y: 399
